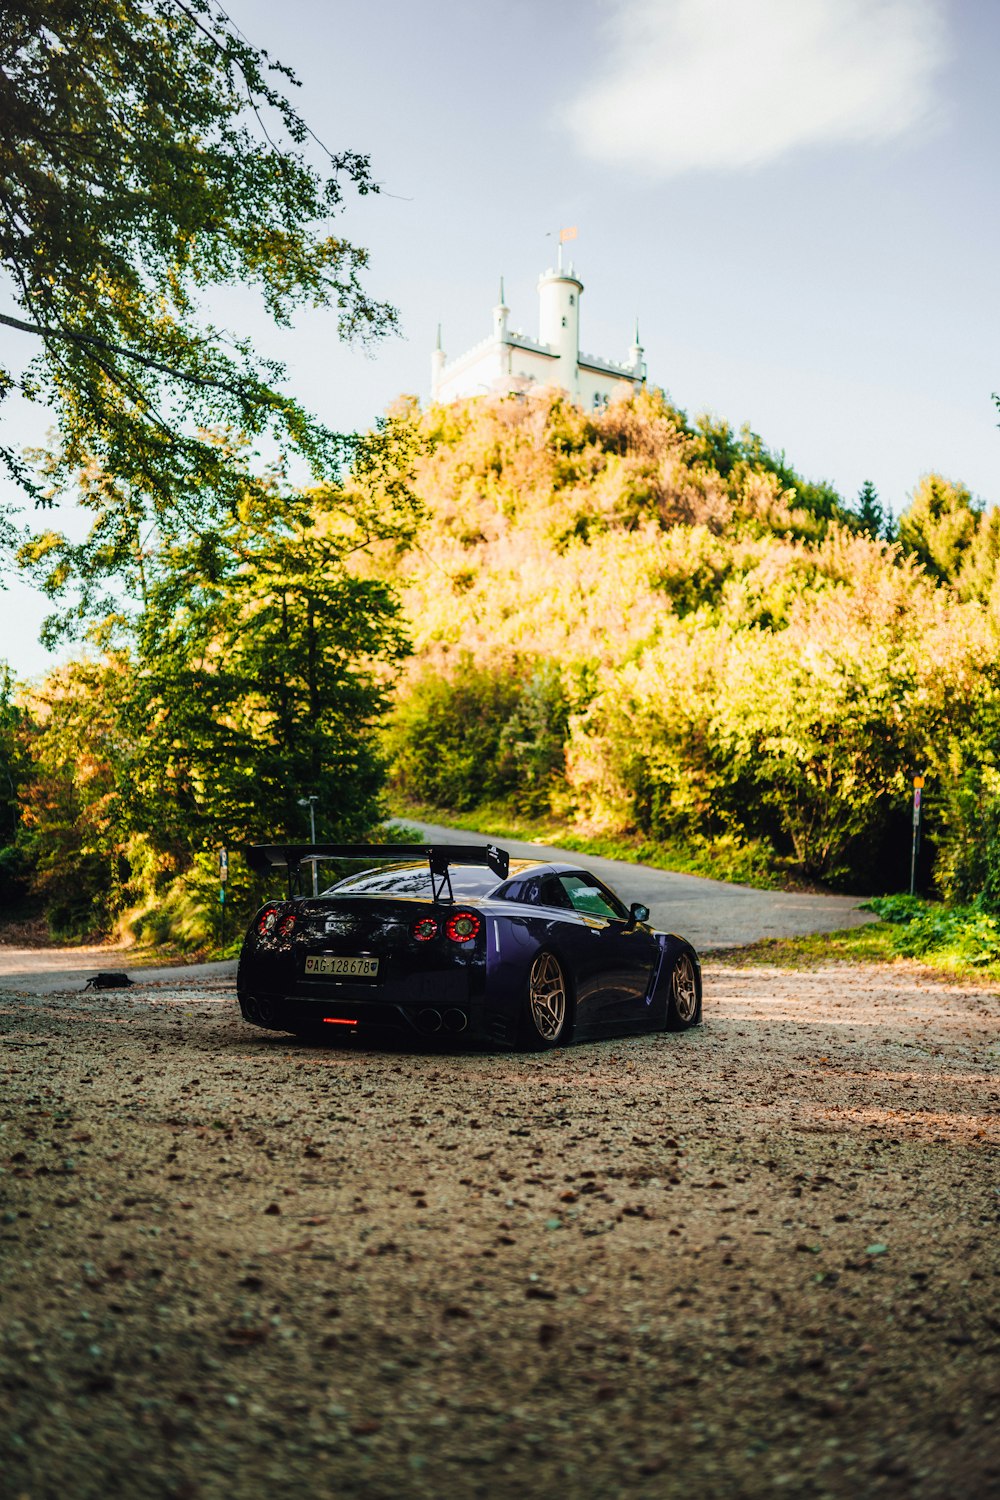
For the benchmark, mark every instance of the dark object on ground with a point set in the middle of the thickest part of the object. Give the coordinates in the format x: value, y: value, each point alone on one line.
x: 109, y: 980
x: 462, y: 944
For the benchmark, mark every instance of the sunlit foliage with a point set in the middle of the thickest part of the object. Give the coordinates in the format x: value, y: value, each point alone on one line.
x: 739, y: 654
x: 147, y: 154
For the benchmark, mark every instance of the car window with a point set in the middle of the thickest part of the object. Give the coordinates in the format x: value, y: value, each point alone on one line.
x: 553, y: 892
x: 521, y: 890
x: 537, y: 890
x: 587, y: 895
x: 471, y: 881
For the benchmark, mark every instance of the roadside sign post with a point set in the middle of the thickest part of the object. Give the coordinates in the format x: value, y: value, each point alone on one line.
x: 223, y: 877
x: 310, y: 802
x: 918, y: 786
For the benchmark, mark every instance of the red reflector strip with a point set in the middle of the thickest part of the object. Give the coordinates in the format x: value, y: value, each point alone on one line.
x: 338, y: 1021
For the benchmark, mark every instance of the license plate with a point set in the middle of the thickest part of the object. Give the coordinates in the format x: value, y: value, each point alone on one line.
x: 349, y: 968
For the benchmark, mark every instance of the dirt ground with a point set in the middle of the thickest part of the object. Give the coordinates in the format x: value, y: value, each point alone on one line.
x: 760, y: 1258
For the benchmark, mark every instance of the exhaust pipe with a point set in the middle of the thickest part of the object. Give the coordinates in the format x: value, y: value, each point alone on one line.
x: 455, y: 1020
x: 429, y: 1020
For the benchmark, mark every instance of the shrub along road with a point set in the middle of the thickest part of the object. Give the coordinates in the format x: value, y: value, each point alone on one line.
x: 759, y: 1258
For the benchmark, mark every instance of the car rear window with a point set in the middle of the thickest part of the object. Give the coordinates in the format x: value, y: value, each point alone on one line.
x: 413, y: 880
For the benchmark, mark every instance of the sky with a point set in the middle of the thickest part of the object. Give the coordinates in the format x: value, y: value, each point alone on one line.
x: 796, y: 198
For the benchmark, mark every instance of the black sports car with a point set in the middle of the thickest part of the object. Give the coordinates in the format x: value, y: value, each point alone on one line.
x: 460, y: 941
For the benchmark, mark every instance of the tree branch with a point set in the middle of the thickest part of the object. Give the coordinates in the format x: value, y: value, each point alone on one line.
x: 89, y: 339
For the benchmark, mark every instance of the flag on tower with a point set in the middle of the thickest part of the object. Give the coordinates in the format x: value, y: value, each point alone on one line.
x: 567, y: 234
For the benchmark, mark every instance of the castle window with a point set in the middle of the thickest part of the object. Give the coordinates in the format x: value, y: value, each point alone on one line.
x: 572, y: 300
x: 564, y: 322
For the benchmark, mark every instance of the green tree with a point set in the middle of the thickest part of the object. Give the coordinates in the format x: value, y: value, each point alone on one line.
x: 14, y: 770
x: 939, y: 526
x: 261, y: 674
x: 147, y: 153
x: 978, y: 572
x: 255, y: 671
x: 74, y: 832
x: 870, y: 512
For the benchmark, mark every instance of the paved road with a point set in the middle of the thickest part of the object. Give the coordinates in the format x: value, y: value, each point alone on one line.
x: 709, y: 913
x: 51, y: 971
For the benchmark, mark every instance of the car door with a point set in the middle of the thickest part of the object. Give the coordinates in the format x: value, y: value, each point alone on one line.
x: 621, y: 956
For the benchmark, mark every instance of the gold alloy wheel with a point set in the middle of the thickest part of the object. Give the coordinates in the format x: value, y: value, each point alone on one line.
x: 547, y: 997
x: 684, y: 989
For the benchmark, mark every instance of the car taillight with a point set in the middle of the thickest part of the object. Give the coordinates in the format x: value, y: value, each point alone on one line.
x: 267, y: 921
x: 463, y: 926
x: 287, y: 924
x: 424, y: 929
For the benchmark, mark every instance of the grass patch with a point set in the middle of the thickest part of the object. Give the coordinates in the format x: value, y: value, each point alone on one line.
x: 962, y: 942
x: 717, y: 859
x: 872, y: 943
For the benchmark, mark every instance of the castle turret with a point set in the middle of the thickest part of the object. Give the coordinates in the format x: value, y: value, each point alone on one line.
x: 437, y: 366
x: 559, y: 295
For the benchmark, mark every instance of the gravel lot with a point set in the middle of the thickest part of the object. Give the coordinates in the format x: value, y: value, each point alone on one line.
x: 757, y: 1259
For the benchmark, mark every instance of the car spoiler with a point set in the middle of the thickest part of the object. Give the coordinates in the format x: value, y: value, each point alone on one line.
x: 265, y: 857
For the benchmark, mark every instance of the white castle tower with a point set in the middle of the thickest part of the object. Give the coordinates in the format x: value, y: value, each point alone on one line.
x: 511, y: 361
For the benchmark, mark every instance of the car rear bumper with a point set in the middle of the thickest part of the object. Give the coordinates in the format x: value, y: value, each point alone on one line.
x: 445, y: 1014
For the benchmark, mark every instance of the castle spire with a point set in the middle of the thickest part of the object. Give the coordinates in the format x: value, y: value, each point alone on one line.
x: 437, y: 365
x: 500, y: 317
x: 637, y: 362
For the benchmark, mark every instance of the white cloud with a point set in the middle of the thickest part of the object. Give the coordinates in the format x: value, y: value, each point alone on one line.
x: 730, y: 84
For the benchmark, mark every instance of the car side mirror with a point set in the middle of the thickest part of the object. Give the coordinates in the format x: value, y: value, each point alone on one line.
x: 637, y: 913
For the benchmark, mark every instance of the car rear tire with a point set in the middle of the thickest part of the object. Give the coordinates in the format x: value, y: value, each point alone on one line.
x: 684, y: 995
x: 547, y: 1004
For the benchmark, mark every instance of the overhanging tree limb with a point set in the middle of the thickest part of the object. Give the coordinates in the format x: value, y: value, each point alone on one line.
x: 92, y: 340
x: 136, y: 172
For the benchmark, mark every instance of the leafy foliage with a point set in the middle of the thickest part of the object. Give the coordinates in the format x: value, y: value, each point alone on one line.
x: 872, y: 517
x: 967, y: 935
x: 14, y: 771
x: 258, y: 673
x: 939, y: 526
x: 741, y: 656
x: 482, y: 733
x: 147, y: 153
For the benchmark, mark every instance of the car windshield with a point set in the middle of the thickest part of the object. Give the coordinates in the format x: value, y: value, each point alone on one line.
x: 414, y: 880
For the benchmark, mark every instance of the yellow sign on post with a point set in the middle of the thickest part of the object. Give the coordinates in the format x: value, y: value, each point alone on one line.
x: 918, y: 785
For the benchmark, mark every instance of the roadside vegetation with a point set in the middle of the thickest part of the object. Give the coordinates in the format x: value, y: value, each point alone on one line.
x: 226, y: 658
x: 650, y: 633
x: 636, y: 634
x: 963, y: 941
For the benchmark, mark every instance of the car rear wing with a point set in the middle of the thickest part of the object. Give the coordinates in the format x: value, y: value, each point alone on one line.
x: 265, y: 857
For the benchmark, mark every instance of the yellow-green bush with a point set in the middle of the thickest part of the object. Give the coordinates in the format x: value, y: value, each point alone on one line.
x: 737, y: 657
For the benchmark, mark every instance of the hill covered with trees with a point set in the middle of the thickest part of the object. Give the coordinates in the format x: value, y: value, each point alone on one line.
x: 655, y: 630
